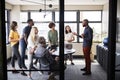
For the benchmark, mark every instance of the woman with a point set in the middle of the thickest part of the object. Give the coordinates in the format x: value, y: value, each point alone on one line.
x: 32, y: 44
x: 14, y: 41
x: 53, y: 36
x: 69, y: 37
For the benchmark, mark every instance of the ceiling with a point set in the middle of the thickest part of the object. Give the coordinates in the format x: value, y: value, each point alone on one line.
x: 56, y: 2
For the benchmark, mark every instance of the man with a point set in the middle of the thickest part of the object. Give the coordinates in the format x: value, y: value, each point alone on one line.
x: 23, y: 41
x: 87, y: 43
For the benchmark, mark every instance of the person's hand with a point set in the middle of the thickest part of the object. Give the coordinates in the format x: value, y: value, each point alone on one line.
x: 32, y: 51
x: 74, y: 33
x: 82, y: 35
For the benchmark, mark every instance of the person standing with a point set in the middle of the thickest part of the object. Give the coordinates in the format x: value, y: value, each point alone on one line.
x: 32, y: 45
x: 87, y: 44
x: 52, y: 36
x: 14, y: 41
x: 69, y: 37
x: 23, y: 41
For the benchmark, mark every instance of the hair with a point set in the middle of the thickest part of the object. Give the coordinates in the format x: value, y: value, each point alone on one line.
x: 13, y: 25
x: 86, y: 20
x: 42, y: 41
x: 66, y: 29
x: 29, y: 20
x: 51, y: 24
x: 32, y: 33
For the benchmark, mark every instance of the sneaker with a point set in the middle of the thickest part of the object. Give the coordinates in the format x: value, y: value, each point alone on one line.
x: 72, y: 63
x: 24, y: 74
x: 83, y: 69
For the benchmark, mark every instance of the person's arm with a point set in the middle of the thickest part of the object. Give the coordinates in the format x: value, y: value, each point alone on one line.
x: 25, y: 35
x: 49, y: 38
x: 77, y: 34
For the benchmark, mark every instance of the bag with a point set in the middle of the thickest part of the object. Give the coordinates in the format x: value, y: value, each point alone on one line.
x: 68, y: 46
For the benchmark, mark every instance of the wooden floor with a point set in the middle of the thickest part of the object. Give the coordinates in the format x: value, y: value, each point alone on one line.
x: 71, y: 73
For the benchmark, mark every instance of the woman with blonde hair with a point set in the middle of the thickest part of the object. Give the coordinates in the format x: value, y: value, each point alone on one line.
x: 32, y: 44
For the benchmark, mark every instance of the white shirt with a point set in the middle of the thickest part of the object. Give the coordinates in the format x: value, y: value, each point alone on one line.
x: 32, y: 44
x: 68, y: 36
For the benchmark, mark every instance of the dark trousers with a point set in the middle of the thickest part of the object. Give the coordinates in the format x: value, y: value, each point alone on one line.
x: 86, y: 51
x: 15, y: 54
x: 23, y: 50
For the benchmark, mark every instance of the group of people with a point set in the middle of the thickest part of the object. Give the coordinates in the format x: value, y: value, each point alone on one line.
x: 36, y: 45
x: 32, y: 44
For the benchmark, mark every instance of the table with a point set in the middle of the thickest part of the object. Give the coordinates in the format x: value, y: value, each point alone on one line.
x: 66, y: 51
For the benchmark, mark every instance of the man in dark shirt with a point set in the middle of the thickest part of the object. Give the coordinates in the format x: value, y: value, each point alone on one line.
x: 23, y: 41
x: 87, y: 43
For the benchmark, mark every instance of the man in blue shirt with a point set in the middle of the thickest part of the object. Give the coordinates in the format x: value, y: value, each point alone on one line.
x: 23, y: 41
x: 87, y: 43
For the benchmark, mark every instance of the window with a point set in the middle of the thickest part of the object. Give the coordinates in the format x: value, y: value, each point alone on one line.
x: 69, y: 16
x: 42, y: 20
x: 7, y: 25
x: 95, y: 22
x: 23, y: 17
x: 90, y: 15
x: 41, y: 16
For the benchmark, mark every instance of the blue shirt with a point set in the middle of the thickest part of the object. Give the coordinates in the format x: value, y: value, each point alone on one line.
x: 88, y: 36
x: 26, y: 31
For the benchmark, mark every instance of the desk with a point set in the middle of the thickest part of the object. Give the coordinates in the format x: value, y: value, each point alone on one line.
x: 66, y: 51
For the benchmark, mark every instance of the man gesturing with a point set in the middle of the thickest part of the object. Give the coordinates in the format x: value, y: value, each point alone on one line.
x: 87, y: 43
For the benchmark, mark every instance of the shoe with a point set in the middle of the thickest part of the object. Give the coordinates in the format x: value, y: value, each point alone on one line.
x: 14, y: 71
x: 83, y: 69
x: 72, y: 63
x: 24, y: 74
x: 87, y: 73
x: 24, y: 67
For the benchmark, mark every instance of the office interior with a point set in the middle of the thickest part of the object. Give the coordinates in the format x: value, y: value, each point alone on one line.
x: 96, y: 11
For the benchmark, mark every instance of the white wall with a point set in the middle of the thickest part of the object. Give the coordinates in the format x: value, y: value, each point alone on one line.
x: 8, y: 6
x: 68, y: 7
x: 105, y: 20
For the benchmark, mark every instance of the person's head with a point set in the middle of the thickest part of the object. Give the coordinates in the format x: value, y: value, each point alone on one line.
x: 85, y: 22
x: 34, y: 30
x: 30, y: 22
x: 33, y: 33
x: 42, y: 41
x: 14, y: 26
x: 68, y: 29
x: 52, y: 25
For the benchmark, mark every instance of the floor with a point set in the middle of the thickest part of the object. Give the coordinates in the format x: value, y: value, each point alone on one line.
x: 72, y: 72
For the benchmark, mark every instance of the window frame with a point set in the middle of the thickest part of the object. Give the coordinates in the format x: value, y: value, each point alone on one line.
x: 78, y: 21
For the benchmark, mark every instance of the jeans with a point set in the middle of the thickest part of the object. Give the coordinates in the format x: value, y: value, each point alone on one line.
x: 15, y: 54
x: 23, y: 50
